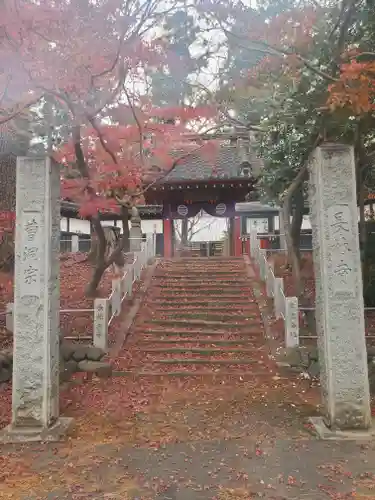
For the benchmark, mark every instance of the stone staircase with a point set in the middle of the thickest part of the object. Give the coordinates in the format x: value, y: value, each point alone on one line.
x: 199, y: 318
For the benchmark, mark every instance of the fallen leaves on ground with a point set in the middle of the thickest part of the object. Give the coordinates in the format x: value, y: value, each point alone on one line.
x: 75, y: 273
x: 151, y: 413
x: 233, y: 494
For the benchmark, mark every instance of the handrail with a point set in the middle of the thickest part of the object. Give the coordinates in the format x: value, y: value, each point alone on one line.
x: 105, y: 310
x: 285, y: 307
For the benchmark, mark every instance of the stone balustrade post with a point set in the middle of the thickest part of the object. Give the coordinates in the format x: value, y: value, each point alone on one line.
x: 101, y: 318
x: 291, y: 322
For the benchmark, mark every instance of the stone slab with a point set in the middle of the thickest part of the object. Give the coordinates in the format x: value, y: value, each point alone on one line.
x: 35, y: 390
x: 339, y: 290
x: 326, y: 433
x: 55, y: 433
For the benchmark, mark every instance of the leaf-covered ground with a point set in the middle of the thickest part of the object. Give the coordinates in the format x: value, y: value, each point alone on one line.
x: 75, y: 272
x: 189, y: 439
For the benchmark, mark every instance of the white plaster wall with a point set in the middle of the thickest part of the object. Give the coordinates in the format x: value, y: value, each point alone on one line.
x: 83, y: 226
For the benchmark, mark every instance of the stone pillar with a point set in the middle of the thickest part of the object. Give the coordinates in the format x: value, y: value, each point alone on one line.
x: 135, y: 231
x: 35, y: 401
x: 339, y: 294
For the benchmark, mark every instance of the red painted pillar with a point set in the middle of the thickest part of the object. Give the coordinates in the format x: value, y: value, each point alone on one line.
x: 237, y: 237
x: 167, y: 233
x: 264, y: 243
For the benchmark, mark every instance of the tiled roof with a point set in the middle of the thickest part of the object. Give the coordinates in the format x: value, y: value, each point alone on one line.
x: 256, y: 206
x: 225, y: 164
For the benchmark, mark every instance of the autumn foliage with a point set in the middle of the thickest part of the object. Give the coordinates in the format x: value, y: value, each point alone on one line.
x: 355, y: 88
x: 123, y: 161
x: 80, y: 52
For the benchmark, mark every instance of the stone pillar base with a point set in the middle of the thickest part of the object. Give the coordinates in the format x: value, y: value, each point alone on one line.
x: 328, y: 434
x: 14, y: 435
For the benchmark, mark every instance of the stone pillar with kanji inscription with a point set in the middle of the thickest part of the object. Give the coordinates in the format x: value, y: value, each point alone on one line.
x: 35, y: 401
x: 339, y: 294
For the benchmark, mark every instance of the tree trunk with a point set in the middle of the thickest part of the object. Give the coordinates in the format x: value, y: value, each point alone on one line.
x: 292, y: 252
x: 92, y: 256
x: 116, y: 256
x: 297, y: 220
x: 293, y: 237
x: 92, y: 287
x: 125, y: 231
x: 100, y: 264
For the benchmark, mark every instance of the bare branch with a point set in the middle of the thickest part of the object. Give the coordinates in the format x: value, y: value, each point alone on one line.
x: 272, y: 50
x: 102, y: 140
x: 139, y: 125
x: 18, y: 111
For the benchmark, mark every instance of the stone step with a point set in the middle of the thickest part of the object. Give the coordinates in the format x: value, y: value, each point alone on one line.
x: 219, y: 266
x: 206, y: 316
x: 247, y: 325
x: 251, y: 332
x: 187, y: 258
x: 206, y: 281
x: 196, y: 343
x: 195, y: 267
x: 182, y: 308
x: 194, y: 293
x: 199, y: 361
x: 207, y: 286
x: 200, y: 271
x: 198, y: 275
x: 218, y: 288
x: 250, y: 341
x: 171, y: 307
x: 204, y: 284
x: 194, y: 350
x: 185, y: 308
x: 222, y: 304
x: 241, y: 375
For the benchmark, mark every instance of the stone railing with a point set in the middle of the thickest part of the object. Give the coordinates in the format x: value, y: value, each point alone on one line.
x: 284, y: 307
x: 105, y: 310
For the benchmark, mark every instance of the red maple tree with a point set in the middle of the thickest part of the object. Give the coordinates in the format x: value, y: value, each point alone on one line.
x: 116, y: 165
x: 86, y: 56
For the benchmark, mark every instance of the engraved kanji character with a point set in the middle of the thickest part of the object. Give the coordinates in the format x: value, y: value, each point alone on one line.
x: 340, y: 225
x: 31, y: 228
x: 342, y: 270
x: 30, y: 274
x: 30, y: 253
